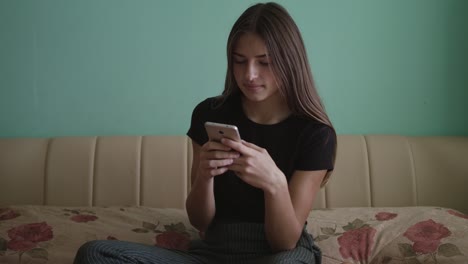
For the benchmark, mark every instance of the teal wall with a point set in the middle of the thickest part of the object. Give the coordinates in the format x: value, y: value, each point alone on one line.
x: 121, y: 67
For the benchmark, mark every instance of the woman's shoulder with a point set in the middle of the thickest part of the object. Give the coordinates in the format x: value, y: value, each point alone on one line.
x: 312, y: 129
x: 215, y: 104
x: 206, y: 103
x: 309, y: 123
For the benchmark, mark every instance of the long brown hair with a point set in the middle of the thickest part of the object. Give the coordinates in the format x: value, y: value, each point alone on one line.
x: 290, y: 63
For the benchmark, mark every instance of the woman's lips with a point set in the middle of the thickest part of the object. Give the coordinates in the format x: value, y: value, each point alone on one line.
x: 253, y: 86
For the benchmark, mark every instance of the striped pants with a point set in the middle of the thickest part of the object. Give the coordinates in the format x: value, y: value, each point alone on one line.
x: 237, y: 243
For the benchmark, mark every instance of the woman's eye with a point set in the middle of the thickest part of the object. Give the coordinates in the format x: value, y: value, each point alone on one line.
x: 238, y: 61
x: 264, y: 63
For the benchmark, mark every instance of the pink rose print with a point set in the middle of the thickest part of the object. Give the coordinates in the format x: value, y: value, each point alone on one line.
x: 426, y: 236
x: 21, y: 245
x: 7, y: 214
x: 173, y: 240
x: 25, y: 237
x: 82, y: 218
x: 427, y: 231
x: 384, y: 216
x: 426, y: 247
x: 357, y: 243
x: 455, y: 213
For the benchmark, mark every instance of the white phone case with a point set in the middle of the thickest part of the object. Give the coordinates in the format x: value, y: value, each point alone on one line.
x: 216, y: 131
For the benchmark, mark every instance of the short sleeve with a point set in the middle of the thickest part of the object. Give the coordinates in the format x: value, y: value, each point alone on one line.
x: 317, y: 147
x: 197, y: 130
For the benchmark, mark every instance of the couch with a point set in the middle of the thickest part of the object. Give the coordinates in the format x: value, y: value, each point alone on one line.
x: 391, y: 199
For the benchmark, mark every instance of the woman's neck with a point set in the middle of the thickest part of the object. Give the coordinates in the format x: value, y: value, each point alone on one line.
x: 267, y: 112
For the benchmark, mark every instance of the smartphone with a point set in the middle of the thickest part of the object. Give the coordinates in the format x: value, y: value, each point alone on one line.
x: 217, y: 131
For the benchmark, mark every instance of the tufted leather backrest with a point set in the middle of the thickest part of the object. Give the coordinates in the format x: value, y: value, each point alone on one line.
x: 370, y: 170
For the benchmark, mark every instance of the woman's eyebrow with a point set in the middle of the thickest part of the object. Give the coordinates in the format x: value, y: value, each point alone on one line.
x: 256, y: 56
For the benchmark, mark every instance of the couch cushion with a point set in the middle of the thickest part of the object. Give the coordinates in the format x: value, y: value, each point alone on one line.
x: 391, y: 235
x: 49, y: 234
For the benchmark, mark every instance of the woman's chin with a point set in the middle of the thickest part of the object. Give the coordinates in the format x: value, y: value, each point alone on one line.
x: 255, y: 97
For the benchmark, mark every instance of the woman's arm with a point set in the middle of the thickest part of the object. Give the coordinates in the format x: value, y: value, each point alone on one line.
x: 200, y: 201
x: 209, y: 161
x: 286, y: 207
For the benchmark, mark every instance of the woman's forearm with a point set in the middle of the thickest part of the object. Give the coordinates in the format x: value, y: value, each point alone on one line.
x: 200, y: 203
x: 282, y: 227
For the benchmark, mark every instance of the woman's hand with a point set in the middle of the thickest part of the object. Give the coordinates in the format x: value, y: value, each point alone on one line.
x: 255, y: 166
x: 214, y: 159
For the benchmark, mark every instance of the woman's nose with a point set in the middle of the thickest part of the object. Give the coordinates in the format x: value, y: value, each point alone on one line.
x: 251, y: 72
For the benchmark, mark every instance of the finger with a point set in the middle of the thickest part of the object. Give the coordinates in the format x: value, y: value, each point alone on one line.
x: 213, y: 145
x: 223, y: 155
x: 237, y: 168
x: 218, y: 171
x: 251, y: 145
x: 238, y: 146
x: 223, y: 163
x: 213, y: 164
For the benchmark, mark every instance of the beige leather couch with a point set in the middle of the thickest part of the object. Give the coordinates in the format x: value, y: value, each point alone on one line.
x: 384, y: 186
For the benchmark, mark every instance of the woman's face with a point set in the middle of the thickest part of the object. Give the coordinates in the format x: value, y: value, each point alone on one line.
x: 251, y: 68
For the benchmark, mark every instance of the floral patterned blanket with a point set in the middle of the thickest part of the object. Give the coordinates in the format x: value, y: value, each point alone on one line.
x: 48, y: 234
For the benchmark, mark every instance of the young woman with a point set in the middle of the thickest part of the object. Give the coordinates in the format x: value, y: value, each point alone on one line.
x: 251, y: 199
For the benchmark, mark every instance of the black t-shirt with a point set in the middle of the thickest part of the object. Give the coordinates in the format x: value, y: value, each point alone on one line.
x: 295, y: 143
